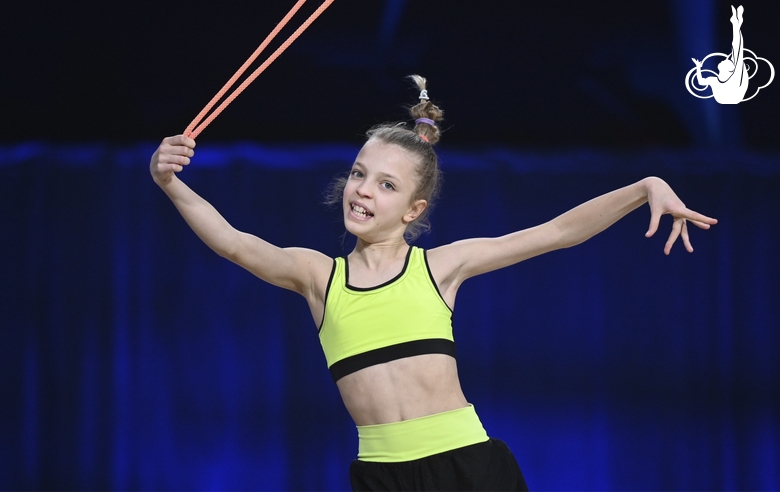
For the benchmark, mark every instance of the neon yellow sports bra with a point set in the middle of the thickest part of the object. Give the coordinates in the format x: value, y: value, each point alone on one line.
x: 403, y: 317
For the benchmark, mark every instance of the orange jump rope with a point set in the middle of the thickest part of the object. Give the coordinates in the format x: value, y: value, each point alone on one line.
x: 196, y: 126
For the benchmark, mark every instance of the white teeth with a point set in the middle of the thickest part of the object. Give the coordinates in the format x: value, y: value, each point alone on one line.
x: 362, y: 212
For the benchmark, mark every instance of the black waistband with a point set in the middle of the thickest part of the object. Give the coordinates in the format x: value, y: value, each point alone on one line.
x: 385, y: 354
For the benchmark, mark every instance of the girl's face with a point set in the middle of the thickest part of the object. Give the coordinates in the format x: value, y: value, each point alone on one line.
x: 378, y: 195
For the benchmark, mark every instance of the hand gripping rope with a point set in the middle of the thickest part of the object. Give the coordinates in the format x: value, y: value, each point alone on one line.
x: 196, y: 126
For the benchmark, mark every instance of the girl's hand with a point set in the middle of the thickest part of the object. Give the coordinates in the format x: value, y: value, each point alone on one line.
x: 170, y: 157
x: 663, y: 200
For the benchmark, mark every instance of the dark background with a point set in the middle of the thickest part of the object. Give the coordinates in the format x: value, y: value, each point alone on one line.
x: 531, y: 74
x: 132, y: 357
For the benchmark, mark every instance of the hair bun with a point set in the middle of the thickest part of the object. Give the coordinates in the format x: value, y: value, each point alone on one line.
x: 426, y: 115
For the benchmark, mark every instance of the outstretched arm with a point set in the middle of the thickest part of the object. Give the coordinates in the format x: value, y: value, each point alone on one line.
x: 298, y: 269
x: 464, y: 259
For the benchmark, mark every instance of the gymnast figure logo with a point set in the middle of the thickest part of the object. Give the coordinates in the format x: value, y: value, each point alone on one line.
x: 730, y: 84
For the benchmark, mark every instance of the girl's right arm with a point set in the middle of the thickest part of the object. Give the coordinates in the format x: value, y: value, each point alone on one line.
x: 302, y: 270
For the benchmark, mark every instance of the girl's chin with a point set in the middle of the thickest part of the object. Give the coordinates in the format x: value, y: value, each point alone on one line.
x: 353, y: 226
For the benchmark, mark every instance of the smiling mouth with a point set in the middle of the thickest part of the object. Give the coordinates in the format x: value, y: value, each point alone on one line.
x: 360, y: 211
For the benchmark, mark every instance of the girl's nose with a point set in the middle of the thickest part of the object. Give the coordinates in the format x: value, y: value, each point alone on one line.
x: 363, y: 189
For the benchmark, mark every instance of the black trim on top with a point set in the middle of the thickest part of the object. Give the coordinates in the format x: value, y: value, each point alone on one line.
x: 433, y: 280
x: 327, y: 290
x: 357, y: 362
x: 366, y: 289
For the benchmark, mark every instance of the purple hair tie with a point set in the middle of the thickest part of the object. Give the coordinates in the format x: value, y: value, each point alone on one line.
x: 425, y: 120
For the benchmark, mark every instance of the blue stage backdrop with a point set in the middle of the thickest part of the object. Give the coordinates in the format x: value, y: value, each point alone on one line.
x: 133, y: 357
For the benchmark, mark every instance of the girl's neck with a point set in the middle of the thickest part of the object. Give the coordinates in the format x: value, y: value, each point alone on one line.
x: 374, y: 256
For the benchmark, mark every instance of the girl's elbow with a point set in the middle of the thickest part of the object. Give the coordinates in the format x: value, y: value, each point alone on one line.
x: 559, y: 237
x: 565, y: 242
x: 229, y: 248
x: 227, y: 254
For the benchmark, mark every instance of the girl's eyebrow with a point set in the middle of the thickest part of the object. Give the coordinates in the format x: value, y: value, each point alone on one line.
x: 389, y: 176
x: 386, y: 175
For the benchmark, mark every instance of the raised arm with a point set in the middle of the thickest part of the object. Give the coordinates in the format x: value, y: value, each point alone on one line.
x: 454, y: 263
x: 302, y: 270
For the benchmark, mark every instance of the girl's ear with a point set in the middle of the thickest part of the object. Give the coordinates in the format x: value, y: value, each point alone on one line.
x: 415, y: 210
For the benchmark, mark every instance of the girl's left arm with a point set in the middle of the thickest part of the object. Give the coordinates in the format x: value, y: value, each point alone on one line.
x: 454, y: 263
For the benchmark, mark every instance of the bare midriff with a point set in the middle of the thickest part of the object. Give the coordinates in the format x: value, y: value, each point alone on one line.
x: 402, y: 389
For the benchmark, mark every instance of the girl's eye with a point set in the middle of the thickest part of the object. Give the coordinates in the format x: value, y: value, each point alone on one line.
x: 388, y: 186
x: 356, y: 174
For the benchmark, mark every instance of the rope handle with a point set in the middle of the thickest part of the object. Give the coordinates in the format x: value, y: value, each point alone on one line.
x: 196, y: 126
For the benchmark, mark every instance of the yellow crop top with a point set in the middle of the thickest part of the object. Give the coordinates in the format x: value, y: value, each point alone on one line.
x: 403, y: 317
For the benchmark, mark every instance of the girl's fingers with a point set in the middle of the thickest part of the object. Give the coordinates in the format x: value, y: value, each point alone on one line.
x: 700, y: 225
x: 180, y: 140
x: 179, y: 159
x: 177, y: 150
x: 676, y: 227
x: 686, y: 239
x: 174, y: 159
x: 189, y: 142
x: 697, y: 217
x: 182, y: 150
x: 165, y: 168
x: 654, y: 220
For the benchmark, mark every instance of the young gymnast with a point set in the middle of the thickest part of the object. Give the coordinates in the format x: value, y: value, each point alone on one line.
x: 384, y: 312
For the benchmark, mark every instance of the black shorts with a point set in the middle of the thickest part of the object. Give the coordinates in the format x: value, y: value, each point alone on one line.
x: 488, y: 465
